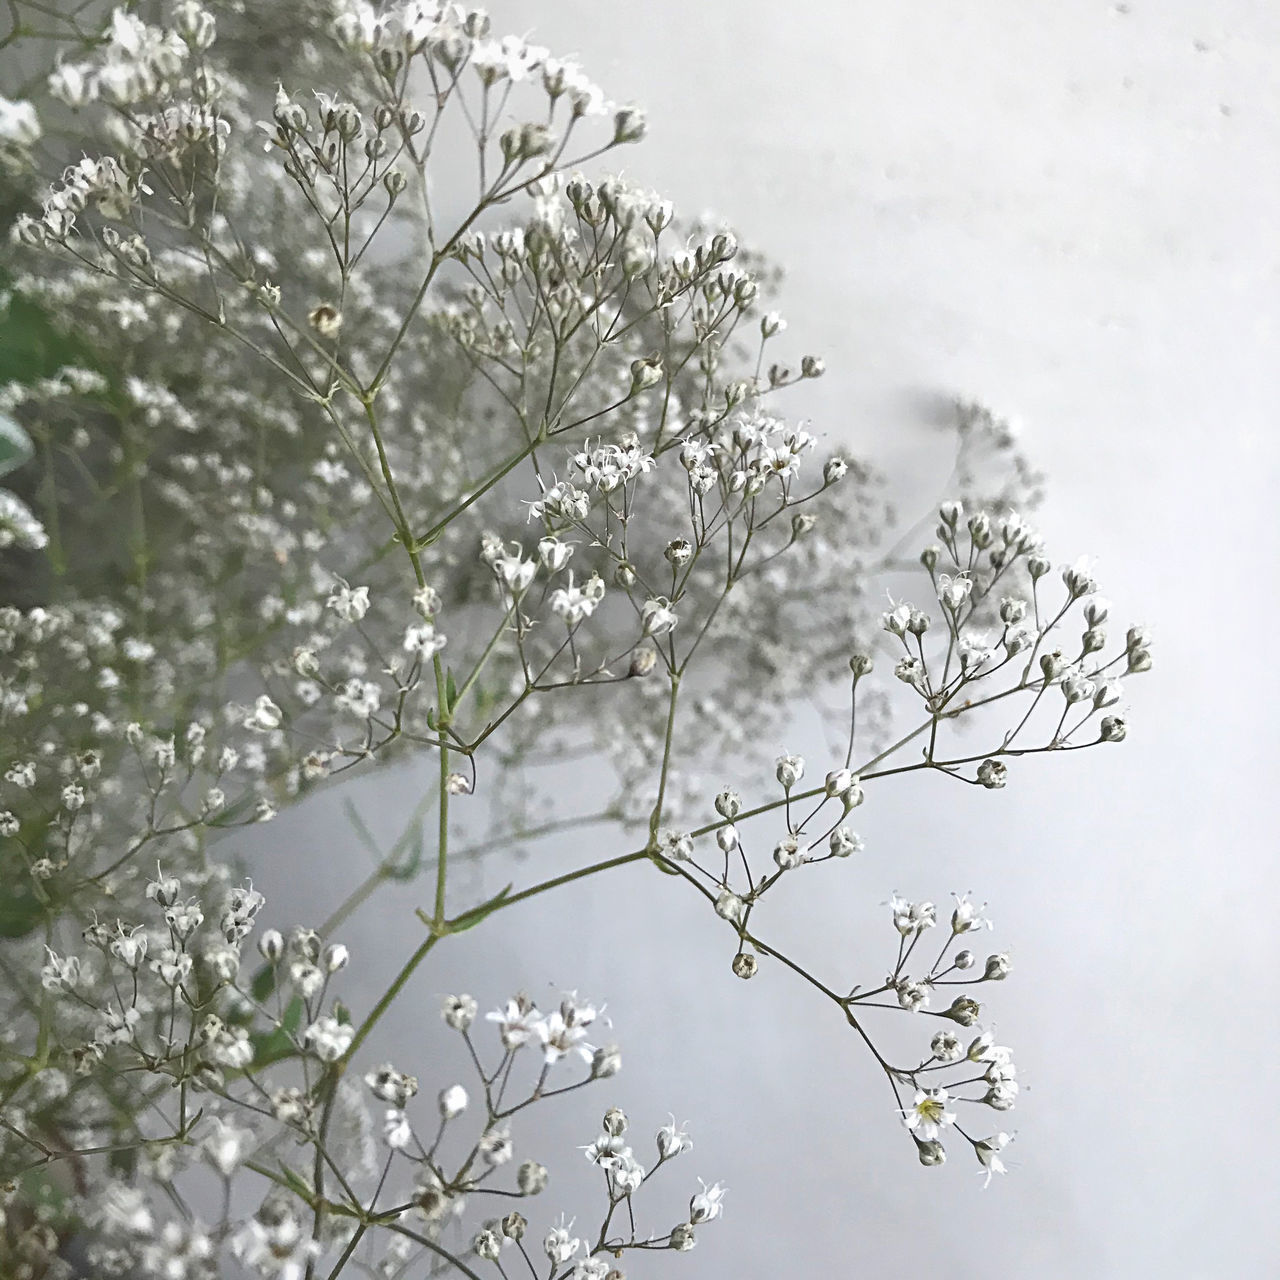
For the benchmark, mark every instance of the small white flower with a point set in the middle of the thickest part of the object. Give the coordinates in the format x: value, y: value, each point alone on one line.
x: 988, y: 1152
x: 912, y: 917
x: 672, y: 1140
x: 706, y: 1206
x: 967, y: 916
x: 349, y: 603
x: 518, y: 1021
x: 225, y: 1144
x: 328, y: 1038
x: 559, y: 1245
x: 264, y: 717
x: 423, y: 640
x: 928, y: 1115
x: 19, y: 123
x: 657, y: 617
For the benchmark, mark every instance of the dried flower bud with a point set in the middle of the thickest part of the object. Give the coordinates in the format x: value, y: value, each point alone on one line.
x: 745, y: 965
x: 993, y: 774
x: 615, y: 1122
x: 326, y: 320
x: 531, y: 1178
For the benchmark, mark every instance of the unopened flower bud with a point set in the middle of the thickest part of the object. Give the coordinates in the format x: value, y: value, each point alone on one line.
x: 964, y: 959
x: 459, y: 1011
x: 931, y: 1153
x: 730, y: 907
x: 615, y: 1122
x: 678, y: 552
x: 997, y: 969
x: 628, y: 125
x: 745, y: 965
x: 682, y: 1237
x: 531, y: 1178
x: 1113, y: 729
x: 787, y: 853
x: 860, y: 664
x: 646, y: 373
x: 271, y: 945
x: 452, y: 1102
x: 606, y: 1062
x: 336, y: 957
x: 844, y: 842
x: 789, y: 771
x: 514, y: 1226
x: 643, y: 662
x: 728, y: 804
x: 488, y: 1245
x: 963, y: 1010
x: 1139, y: 660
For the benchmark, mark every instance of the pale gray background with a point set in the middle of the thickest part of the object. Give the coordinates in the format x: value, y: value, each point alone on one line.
x: 1069, y: 211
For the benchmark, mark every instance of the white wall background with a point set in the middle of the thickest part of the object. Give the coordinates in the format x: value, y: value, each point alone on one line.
x: 1071, y: 212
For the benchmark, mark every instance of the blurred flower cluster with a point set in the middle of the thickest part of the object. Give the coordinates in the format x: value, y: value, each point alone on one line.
x: 368, y: 414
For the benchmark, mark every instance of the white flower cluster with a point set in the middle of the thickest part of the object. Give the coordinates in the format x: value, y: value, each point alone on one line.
x: 328, y: 472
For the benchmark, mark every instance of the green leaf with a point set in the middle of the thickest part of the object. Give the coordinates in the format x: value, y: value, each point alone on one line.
x: 421, y: 544
x: 31, y: 346
x: 450, y: 692
x: 297, y: 1184
x: 469, y: 919
x: 272, y: 1046
x: 20, y: 910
